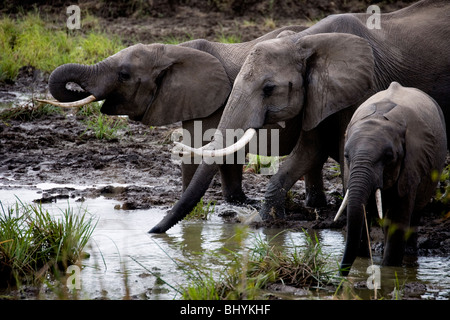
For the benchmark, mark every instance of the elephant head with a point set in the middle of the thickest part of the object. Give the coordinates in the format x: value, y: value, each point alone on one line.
x: 393, y: 143
x: 142, y: 81
x: 315, y: 75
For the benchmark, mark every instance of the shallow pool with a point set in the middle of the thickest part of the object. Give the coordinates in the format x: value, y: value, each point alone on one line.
x: 126, y: 260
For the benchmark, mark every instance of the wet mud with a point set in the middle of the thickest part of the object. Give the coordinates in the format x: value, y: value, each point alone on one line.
x: 136, y: 168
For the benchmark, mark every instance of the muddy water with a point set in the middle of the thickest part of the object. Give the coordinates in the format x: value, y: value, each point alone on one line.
x: 126, y: 260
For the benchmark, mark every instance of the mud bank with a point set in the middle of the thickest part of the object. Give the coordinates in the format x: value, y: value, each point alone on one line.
x: 137, y: 169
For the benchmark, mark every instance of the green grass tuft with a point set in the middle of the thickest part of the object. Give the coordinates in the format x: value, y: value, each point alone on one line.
x: 201, y: 211
x: 34, y: 243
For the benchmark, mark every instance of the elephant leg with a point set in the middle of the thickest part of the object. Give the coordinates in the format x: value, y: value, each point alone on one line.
x: 331, y: 131
x: 411, y: 241
x: 231, y: 178
x: 315, y: 196
x: 307, y: 156
x: 395, y: 229
x: 395, y: 248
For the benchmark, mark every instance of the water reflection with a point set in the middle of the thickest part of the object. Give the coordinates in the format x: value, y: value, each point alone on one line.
x: 125, y: 257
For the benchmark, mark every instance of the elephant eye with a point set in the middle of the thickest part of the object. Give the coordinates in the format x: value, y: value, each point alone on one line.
x: 346, y: 156
x: 388, y: 156
x: 268, y: 90
x: 123, y: 76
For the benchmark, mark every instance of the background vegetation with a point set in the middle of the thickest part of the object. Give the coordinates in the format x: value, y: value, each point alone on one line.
x: 29, y: 41
x: 33, y: 33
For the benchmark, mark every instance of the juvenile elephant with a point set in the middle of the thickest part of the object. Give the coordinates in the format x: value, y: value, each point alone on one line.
x: 161, y: 84
x: 395, y: 148
x: 320, y: 76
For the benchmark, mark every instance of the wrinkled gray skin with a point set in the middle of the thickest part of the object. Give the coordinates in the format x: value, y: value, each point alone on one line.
x: 321, y: 75
x: 396, y: 142
x: 162, y: 84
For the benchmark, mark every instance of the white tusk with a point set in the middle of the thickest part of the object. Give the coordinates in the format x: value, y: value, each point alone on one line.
x: 188, y: 151
x: 78, y: 103
x: 241, y: 143
x: 342, y: 207
x: 379, y: 203
x: 282, y: 124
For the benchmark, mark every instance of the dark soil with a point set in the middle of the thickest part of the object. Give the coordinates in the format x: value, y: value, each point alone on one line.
x: 136, y: 168
x: 59, y: 148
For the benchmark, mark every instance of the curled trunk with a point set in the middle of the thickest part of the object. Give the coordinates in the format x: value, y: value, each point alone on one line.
x: 96, y: 80
x: 64, y: 74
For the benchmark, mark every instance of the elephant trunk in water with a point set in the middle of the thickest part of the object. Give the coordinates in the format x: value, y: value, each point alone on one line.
x: 206, y: 171
x: 191, y: 196
x: 360, y: 187
x: 201, y: 179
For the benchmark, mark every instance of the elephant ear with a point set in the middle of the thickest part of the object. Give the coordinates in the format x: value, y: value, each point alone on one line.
x: 339, y: 70
x: 192, y: 85
x: 419, y: 146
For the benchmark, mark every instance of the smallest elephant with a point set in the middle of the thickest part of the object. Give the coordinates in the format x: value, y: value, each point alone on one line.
x: 395, y: 149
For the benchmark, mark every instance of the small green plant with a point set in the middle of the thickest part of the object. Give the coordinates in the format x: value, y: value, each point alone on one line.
x: 34, y: 243
x: 257, y: 162
x: 105, y: 127
x: 443, y: 190
x: 201, y: 211
x: 231, y: 38
x: 90, y: 110
x: 178, y: 40
x: 397, y: 292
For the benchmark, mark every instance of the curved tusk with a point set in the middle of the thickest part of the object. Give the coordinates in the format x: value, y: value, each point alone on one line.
x: 342, y: 207
x: 78, y: 103
x: 241, y: 143
x: 379, y: 203
x: 187, y: 150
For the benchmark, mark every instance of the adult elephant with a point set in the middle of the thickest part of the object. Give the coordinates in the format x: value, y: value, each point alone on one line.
x: 322, y: 74
x: 395, y: 149
x: 161, y: 84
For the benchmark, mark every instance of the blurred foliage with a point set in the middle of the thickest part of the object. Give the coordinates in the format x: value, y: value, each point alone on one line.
x: 29, y: 41
x: 163, y: 8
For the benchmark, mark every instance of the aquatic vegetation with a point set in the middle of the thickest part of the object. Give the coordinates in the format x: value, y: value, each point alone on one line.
x: 248, y: 274
x: 34, y: 243
x: 201, y: 211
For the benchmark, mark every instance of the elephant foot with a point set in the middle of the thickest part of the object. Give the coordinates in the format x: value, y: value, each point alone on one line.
x: 244, y: 201
x: 237, y: 199
x: 272, y: 212
x: 315, y: 199
x: 253, y: 202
